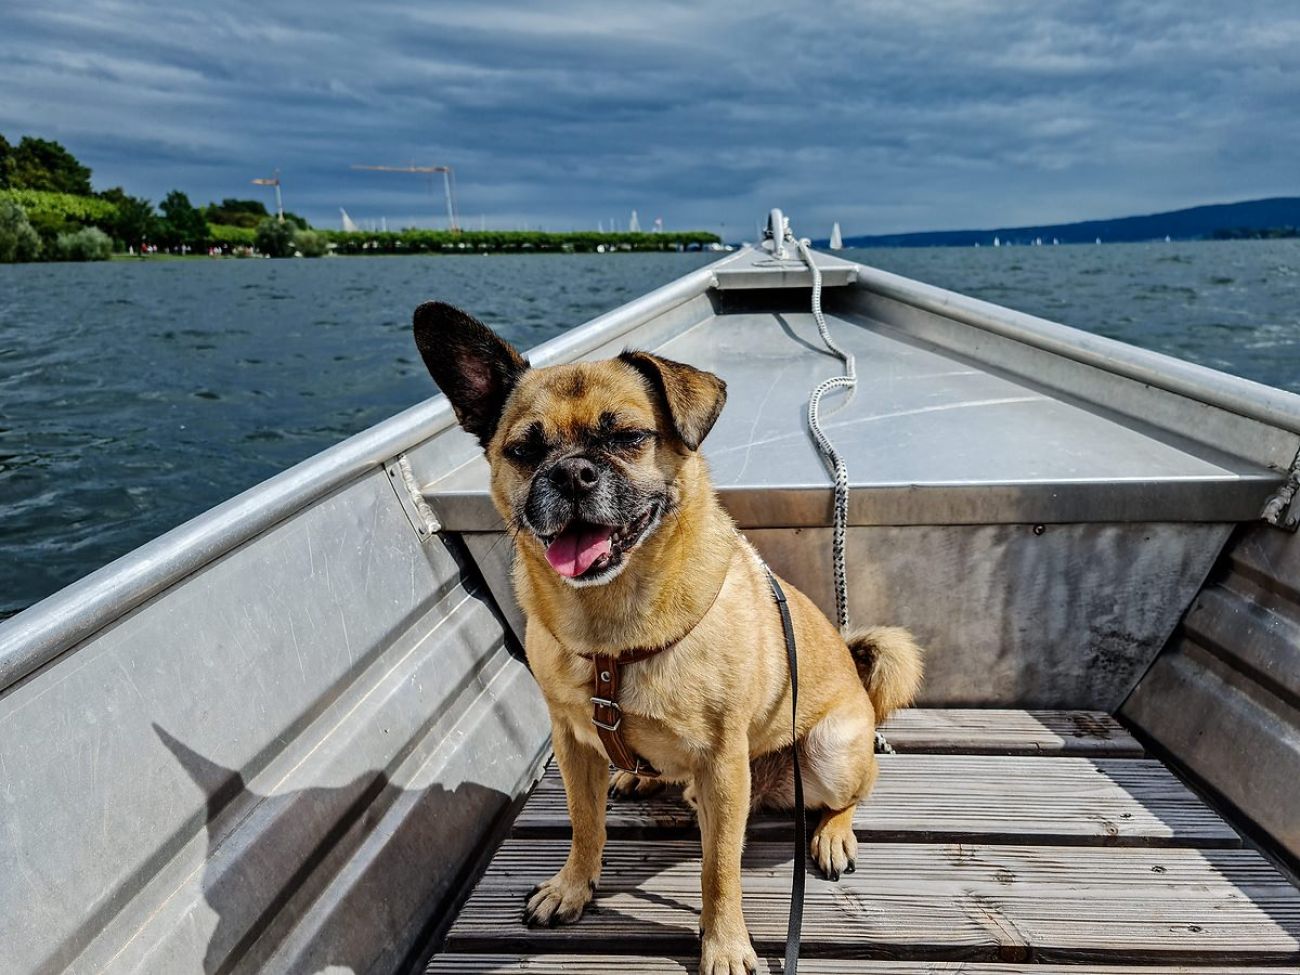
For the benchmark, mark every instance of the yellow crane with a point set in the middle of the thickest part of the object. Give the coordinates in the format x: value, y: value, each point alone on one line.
x: 448, y: 184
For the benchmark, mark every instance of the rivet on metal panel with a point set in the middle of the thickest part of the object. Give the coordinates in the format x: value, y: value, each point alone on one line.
x: 1039, y: 529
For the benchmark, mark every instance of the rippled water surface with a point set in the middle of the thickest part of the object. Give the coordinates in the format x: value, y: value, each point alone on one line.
x: 135, y: 396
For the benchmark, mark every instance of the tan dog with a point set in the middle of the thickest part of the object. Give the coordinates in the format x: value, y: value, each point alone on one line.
x: 621, y: 543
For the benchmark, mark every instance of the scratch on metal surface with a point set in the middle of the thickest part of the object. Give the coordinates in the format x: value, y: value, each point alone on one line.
x: 374, y: 688
x: 758, y: 415
x: 293, y: 632
x: 369, y: 567
x: 801, y: 435
x: 121, y: 665
x: 347, y: 638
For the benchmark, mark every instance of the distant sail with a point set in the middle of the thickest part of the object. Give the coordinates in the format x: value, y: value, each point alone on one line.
x: 348, y: 225
x: 837, y: 241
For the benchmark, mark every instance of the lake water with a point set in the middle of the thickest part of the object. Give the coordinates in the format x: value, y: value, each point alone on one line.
x: 135, y: 396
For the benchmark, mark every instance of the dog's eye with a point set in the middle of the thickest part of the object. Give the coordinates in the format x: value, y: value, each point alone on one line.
x: 523, y: 452
x: 626, y: 439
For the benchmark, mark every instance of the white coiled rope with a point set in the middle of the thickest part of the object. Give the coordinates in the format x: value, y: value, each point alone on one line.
x: 847, y: 381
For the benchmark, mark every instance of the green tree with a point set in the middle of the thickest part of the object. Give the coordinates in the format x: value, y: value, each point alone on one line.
x: 309, y: 243
x: 6, y: 162
x: 135, y: 223
x: 236, y: 213
x: 18, y: 241
x: 42, y: 164
x: 275, y: 238
x: 181, y: 222
x: 86, y: 244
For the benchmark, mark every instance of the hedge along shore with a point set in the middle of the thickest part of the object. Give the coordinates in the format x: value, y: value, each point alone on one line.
x: 74, y: 212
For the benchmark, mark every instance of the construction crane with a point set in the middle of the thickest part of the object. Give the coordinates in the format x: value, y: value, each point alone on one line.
x: 273, y: 181
x: 448, y: 184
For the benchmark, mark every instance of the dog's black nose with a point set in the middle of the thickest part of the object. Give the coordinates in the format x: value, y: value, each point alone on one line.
x: 574, y: 476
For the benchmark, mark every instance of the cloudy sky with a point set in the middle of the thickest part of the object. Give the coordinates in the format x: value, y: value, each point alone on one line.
x: 887, y: 115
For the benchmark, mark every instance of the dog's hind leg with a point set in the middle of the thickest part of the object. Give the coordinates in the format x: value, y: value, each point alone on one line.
x: 562, y: 899
x: 839, y: 754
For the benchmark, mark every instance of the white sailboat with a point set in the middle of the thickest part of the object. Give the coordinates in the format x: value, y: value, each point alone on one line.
x: 349, y: 225
x: 837, y: 240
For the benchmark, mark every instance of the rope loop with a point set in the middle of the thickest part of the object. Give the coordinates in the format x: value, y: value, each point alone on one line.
x: 848, y: 381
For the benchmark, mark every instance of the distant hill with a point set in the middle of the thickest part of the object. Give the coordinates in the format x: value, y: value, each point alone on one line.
x: 1279, y: 216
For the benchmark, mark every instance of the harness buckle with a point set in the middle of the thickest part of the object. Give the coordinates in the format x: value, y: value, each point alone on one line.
x: 613, y: 708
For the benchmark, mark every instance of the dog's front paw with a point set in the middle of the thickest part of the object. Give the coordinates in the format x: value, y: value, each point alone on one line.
x: 557, y: 901
x: 834, y: 847
x: 626, y: 785
x: 723, y: 954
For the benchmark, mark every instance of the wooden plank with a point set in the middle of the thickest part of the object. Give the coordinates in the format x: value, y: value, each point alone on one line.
x: 520, y: 964
x: 952, y: 798
x: 988, y: 731
x: 918, y: 902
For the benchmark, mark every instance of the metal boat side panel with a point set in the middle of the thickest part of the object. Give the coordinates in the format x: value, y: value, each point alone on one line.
x: 191, y: 775
x: 494, y: 552
x: 1071, y: 617
x: 1224, y: 695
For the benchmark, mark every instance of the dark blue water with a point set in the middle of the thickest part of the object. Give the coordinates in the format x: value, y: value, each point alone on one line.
x: 135, y: 396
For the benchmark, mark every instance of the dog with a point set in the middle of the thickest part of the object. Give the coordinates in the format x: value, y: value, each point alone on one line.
x: 622, y: 543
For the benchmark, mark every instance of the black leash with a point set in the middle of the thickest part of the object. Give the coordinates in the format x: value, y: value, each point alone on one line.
x: 794, y: 926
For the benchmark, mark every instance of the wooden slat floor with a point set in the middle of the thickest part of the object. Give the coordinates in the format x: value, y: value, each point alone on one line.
x: 996, y: 842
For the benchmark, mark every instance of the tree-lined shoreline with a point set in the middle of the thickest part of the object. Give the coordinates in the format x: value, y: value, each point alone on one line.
x: 50, y: 212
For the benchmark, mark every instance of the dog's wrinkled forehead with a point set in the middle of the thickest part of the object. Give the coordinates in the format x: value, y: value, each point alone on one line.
x: 570, y: 401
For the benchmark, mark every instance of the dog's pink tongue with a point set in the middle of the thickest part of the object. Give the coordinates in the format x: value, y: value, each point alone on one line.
x: 573, y: 552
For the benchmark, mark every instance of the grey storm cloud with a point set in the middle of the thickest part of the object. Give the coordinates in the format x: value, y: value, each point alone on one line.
x: 886, y: 116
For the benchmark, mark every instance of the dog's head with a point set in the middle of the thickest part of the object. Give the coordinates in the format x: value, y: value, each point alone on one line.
x: 586, y: 458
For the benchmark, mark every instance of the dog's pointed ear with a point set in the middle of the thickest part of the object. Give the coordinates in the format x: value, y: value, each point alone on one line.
x: 693, y: 397
x: 474, y: 366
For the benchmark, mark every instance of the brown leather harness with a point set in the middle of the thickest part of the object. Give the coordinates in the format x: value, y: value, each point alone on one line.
x: 607, y: 716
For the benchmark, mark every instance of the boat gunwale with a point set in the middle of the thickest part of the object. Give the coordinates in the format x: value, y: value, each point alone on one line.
x: 1234, y: 394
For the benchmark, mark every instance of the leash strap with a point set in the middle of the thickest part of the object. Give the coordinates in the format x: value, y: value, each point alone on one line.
x: 794, y: 926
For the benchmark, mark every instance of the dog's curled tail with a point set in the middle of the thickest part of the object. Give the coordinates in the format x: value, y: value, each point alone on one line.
x: 889, y: 664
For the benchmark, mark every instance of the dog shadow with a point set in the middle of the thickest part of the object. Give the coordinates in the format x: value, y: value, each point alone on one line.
x: 271, y: 858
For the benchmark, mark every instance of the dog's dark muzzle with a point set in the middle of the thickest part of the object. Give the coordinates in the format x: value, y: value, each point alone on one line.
x: 582, y: 489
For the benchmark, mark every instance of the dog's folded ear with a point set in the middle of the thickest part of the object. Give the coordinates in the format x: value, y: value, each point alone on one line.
x: 474, y: 366
x: 694, y: 398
